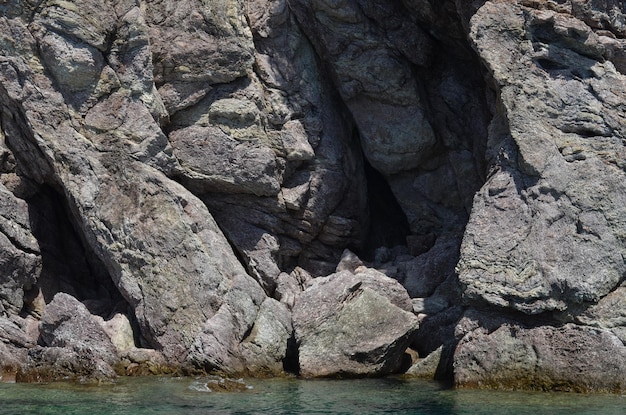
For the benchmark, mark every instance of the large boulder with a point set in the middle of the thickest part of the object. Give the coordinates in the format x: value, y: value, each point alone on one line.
x: 353, y: 324
x: 511, y: 355
x: 76, y: 345
x: 66, y: 322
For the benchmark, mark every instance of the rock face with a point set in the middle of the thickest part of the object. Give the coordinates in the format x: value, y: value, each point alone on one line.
x: 546, y: 233
x: 184, y: 178
x: 571, y: 357
x: 561, y: 190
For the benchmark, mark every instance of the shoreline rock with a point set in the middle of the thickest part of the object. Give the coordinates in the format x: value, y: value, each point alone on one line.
x: 272, y: 187
x: 353, y: 324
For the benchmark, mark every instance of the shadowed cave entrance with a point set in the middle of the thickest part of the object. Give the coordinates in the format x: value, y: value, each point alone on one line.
x: 68, y: 264
x: 387, y: 224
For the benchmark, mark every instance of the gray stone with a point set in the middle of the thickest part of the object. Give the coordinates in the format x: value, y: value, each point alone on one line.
x: 181, y: 163
x: 75, y: 66
x: 50, y: 364
x: 348, y: 262
x: 76, y: 346
x: 119, y: 330
x: 16, y: 337
x: 422, y: 275
x: 550, y: 216
x: 66, y: 323
x: 374, y: 78
x: 426, y: 367
x: 545, y: 235
x: 215, y: 162
x: 144, y: 362
x: 127, y: 211
x: 19, y: 252
x: 568, y: 358
x: 425, y: 137
x: 289, y: 286
x: 265, y: 348
x: 345, y: 325
x: 218, y: 346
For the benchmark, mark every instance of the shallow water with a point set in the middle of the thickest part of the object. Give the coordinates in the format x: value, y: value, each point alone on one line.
x: 140, y: 396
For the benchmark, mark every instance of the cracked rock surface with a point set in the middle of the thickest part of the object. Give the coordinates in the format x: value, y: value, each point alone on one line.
x: 265, y: 187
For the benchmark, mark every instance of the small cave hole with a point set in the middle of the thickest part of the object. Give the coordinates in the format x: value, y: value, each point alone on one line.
x: 388, y: 225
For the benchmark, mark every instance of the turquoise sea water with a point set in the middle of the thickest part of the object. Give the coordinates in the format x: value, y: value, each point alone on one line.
x: 282, y: 396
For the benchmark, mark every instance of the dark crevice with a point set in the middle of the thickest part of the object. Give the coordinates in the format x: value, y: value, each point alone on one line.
x: 291, y: 361
x: 68, y: 264
x: 551, y: 65
x: 388, y: 225
x: 239, y: 251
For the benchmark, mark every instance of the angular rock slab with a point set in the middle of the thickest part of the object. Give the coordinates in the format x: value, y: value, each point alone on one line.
x: 76, y: 346
x: 569, y: 358
x: 66, y: 322
x: 19, y: 252
x: 16, y: 337
x: 345, y: 325
x: 265, y: 348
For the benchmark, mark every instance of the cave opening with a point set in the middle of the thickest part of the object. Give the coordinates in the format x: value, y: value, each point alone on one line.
x: 387, y: 224
x: 69, y: 265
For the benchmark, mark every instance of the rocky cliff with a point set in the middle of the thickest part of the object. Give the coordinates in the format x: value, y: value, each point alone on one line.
x: 317, y: 187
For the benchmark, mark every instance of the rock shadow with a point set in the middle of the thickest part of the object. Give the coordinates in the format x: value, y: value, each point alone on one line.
x: 68, y: 264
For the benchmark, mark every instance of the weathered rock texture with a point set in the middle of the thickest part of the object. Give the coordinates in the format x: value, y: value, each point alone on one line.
x: 76, y: 346
x: 543, y: 357
x: 546, y: 233
x: 350, y: 324
x: 185, y: 175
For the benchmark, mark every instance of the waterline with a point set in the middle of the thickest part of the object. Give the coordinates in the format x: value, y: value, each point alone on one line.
x: 139, y: 396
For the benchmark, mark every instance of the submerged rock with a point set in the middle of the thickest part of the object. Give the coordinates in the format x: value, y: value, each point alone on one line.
x: 219, y: 384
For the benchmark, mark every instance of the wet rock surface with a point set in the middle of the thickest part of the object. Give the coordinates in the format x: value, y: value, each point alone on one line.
x: 267, y: 186
x: 512, y: 356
